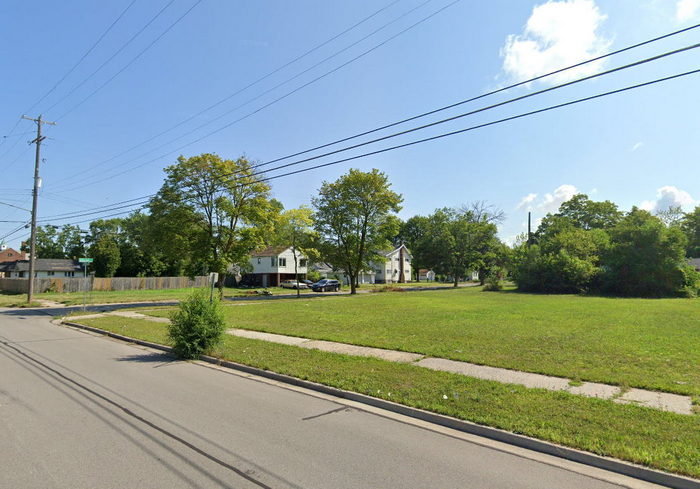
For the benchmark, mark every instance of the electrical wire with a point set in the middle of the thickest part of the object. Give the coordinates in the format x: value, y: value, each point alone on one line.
x: 314, y: 80
x: 132, y: 61
x: 87, y: 53
x: 250, y: 85
x: 114, y: 55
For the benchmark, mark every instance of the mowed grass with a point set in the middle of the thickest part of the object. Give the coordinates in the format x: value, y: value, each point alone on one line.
x: 657, y: 439
x: 646, y: 343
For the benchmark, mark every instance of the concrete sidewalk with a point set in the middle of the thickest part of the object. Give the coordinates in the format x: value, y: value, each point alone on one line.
x: 663, y: 401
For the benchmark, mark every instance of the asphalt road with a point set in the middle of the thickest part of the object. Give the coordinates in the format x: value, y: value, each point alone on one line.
x: 82, y: 411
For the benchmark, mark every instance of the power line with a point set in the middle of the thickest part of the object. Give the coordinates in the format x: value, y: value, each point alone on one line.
x: 450, y: 106
x: 250, y: 85
x: 487, y: 124
x: 314, y: 80
x: 94, y: 45
x: 470, y: 128
x: 132, y: 61
x: 123, y: 46
x: 482, y: 109
x: 493, y: 92
x: 110, y: 207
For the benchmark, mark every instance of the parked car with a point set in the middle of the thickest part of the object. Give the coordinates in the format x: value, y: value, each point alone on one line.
x: 308, y: 282
x: 326, y: 285
x: 293, y: 284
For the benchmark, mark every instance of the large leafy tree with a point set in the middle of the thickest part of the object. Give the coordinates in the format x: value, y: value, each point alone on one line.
x: 55, y: 242
x: 691, y: 228
x: 105, y: 252
x: 294, y: 228
x: 211, y: 211
x: 646, y: 258
x: 580, y: 212
x: 355, y: 221
x: 457, y: 241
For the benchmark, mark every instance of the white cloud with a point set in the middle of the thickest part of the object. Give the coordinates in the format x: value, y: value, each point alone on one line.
x: 687, y: 9
x: 667, y: 197
x: 526, y: 202
x: 551, y: 202
x: 636, y: 146
x: 557, y: 34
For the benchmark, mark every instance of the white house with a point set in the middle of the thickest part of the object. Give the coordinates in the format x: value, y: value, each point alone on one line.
x: 396, y: 268
x: 425, y: 275
x: 274, y: 265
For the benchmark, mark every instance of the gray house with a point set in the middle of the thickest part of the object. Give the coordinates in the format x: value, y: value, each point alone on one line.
x: 43, y: 268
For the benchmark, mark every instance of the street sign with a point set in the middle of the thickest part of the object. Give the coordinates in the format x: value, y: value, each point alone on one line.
x: 85, y: 260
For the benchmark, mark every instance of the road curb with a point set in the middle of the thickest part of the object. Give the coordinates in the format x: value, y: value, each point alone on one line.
x: 522, y: 441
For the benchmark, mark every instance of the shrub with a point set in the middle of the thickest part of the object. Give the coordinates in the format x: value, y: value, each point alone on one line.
x: 197, y: 325
x: 494, y: 280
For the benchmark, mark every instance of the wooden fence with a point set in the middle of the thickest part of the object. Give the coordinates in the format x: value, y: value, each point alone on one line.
x: 80, y: 284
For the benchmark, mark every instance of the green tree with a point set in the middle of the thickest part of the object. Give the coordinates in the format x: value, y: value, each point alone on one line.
x: 457, y: 241
x: 691, y: 228
x: 354, y: 220
x: 294, y: 228
x: 580, y: 212
x: 52, y: 242
x: 414, y: 233
x: 213, y: 212
x: 105, y: 252
x: 646, y: 258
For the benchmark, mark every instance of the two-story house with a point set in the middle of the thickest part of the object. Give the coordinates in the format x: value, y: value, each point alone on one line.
x: 396, y: 268
x: 274, y: 265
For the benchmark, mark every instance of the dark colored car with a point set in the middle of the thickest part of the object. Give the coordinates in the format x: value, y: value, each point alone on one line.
x: 326, y: 285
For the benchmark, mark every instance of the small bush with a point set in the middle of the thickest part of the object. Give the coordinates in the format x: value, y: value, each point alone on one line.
x: 197, y: 325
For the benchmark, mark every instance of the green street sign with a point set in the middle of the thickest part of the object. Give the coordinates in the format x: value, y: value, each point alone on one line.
x: 85, y: 260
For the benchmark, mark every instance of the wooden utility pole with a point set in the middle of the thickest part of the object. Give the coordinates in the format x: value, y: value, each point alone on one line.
x: 35, y: 196
x: 529, y: 228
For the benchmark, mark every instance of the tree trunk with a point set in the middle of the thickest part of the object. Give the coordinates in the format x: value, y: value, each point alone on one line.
x: 353, y: 284
x: 456, y: 280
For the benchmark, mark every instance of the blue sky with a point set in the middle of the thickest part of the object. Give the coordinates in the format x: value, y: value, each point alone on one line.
x: 636, y: 148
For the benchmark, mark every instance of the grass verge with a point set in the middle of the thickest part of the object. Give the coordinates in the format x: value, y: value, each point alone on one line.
x: 646, y: 343
x: 657, y: 439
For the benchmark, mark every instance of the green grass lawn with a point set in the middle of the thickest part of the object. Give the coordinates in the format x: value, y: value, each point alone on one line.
x: 657, y: 439
x: 646, y: 343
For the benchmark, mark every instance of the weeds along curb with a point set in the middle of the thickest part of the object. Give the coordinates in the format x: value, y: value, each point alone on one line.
x: 598, y: 461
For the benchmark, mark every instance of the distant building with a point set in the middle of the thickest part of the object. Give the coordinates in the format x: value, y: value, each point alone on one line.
x: 8, y: 254
x: 273, y: 266
x: 43, y: 268
x: 425, y: 275
x: 396, y: 268
x: 695, y: 263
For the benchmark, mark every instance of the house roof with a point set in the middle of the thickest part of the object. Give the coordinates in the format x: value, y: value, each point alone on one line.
x: 695, y: 262
x: 41, y: 265
x: 9, y: 254
x: 392, y: 251
x: 270, y: 251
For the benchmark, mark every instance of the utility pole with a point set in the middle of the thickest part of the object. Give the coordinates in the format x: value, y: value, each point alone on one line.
x: 35, y: 196
x: 529, y: 229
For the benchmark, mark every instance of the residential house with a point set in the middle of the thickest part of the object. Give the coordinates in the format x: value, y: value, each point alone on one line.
x: 396, y: 268
x: 425, y: 275
x: 695, y: 263
x: 9, y: 255
x: 274, y: 265
x: 43, y: 268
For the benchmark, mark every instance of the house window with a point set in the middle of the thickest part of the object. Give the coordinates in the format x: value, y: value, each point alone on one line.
x: 272, y: 261
x: 49, y: 274
x: 283, y: 262
x: 259, y: 260
x: 302, y: 262
x: 21, y: 275
x: 69, y: 274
